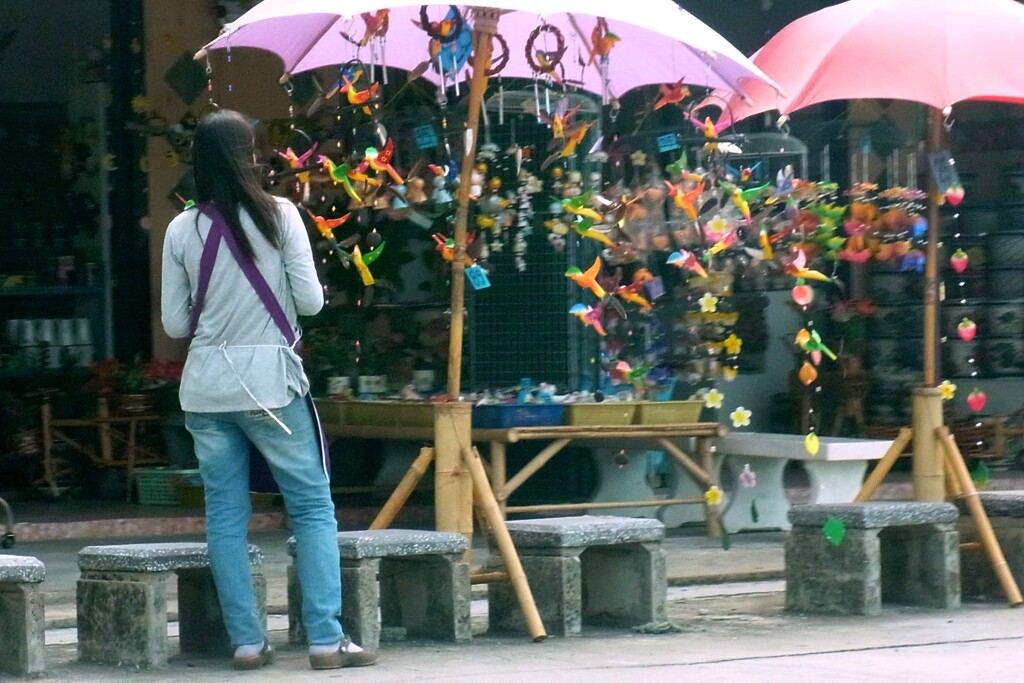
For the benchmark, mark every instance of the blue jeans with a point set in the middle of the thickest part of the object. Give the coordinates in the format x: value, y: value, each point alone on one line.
x: 222, y: 447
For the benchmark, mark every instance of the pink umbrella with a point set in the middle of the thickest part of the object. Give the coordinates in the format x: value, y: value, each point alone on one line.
x: 658, y: 41
x: 936, y: 52
x: 627, y: 45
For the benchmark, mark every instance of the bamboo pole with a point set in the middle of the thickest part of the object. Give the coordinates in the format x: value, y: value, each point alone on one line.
x: 499, y: 468
x: 928, y: 475
x: 696, y: 473
x: 485, y: 25
x: 564, y: 507
x: 878, y: 474
x: 986, y: 535
x: 931, y: 263
x: 488, y: 577
x: 404, y: 489
x: 516, y: 575
x: 539, y: 460
x: 453, y: 488
x: 711, y: 512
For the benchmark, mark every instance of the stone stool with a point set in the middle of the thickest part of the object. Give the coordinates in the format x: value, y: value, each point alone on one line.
x: 595, y: 569
x: 891, y: 552
x: 122, y: 602
x: 416, y: 580
x: 21, y: 616
x: 1005, y: 511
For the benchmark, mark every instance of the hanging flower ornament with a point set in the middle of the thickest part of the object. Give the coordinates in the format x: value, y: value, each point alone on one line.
x: 713, y: 496
x: 708, y: 303
x: 741, y: 417
x: 947, y: 389
x: 959, y: 261
x: 729, y: 373
x: 713, y: 399
x: 732, y: 344
x: 812, y: 444
x: 748, y: 478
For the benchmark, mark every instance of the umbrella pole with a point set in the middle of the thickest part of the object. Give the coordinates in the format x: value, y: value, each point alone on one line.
x: 453, y: 491
x: 928, y: 468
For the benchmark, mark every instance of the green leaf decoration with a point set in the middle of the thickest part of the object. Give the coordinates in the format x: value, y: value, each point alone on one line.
x: 726, y: 539
x: 834, y: 530
x: 754, y: 514
x: 980, y: 474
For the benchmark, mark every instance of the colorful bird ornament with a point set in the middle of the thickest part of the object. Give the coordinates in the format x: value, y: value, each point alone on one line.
x: 588, y: 279
x: 380, y: 161
x: 298, y: 161
x: 686, y: 201
x: 686, y: 259
x: 340, y: 175
x: 589, y: 316
x: 363, y: 262
x: 573, y: 137
x: 671, y: 93
x: 798, y: 268
x: 602, y: 41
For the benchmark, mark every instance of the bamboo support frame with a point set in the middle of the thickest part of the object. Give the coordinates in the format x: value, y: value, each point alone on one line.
x: 987, y: 536
x: 869, y: 486
x: 404, y: 489
x: 656, y: 502
x: 538, y: 461
x: 485, y: 496
x: 696, y: 472
x: 488, y: 577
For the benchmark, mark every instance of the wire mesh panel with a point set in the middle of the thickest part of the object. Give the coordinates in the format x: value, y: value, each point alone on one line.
x: 521, y: 327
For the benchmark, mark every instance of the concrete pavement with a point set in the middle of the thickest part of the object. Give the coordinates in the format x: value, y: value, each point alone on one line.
x: 727, y: 604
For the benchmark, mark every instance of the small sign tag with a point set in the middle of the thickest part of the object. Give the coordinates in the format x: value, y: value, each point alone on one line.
x: 477, y: 277
x: 425, y: 136
x: 667, y: 142
x: 943, y: 169
x: 655, y: 288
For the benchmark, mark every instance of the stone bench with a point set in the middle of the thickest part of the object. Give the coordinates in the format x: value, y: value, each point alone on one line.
x: 835, y: 473
x: 21, y: 616
x: 891, y: 552
x: 1005, y: 510
x: 395, y: 578
x: 589, y: 569
x: 122, y: 602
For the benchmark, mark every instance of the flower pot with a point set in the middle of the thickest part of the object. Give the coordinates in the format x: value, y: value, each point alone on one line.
x: 136, y: 403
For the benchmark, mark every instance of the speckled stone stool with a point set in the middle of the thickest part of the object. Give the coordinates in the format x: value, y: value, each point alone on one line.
x: 122, y: 602
x: 589, y: 569
x: 414, y: 580
x: 21, y: 616
x: 892, y: 552
x: 1005, y: 510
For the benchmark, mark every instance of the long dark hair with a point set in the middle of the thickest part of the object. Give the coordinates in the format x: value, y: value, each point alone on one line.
x: 227, y: 175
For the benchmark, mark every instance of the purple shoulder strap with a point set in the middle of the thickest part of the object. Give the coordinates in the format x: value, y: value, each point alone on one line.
x: 219, y: 231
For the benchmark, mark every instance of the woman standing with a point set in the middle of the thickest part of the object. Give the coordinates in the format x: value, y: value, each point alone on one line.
x: 237, y: 270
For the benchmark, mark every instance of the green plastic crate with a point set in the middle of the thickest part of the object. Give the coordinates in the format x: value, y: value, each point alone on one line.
x: 391, y: 413
x: 332, y: 411
x: 667, y: 412
x: 158, y: 485
x: 612, y: 413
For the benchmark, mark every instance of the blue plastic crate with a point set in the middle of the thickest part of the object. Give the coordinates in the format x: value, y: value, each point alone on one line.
x: 503, y: 415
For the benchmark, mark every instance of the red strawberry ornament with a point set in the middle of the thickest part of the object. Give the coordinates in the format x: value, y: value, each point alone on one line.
x: 803, y: 294
x: 959, y: 260
x: 955, y: 194
x: 976, y: 400
x: 966, y: 329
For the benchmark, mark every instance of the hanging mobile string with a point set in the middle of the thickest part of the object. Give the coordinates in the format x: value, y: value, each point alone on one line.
x: 209, y: 82
x: 289, y: 89
x: 229, y: 58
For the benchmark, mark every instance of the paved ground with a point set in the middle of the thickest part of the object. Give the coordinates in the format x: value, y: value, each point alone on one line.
x: 731, y: 628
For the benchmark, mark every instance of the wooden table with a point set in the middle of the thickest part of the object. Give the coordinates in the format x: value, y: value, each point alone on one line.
x: 123, y: 429
x: 701, y: 469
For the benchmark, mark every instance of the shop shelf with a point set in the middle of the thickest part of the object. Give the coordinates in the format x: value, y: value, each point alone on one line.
x: 502, y: 415
x: 611, y: 413
x: 667, y: 412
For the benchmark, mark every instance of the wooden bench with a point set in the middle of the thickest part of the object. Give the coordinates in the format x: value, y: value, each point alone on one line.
x: 122, y: 602
x: 395, y: 578
x: 836, y: 473
x: 21, y: 616
x: 585, y: 569
x: 898, y: 552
